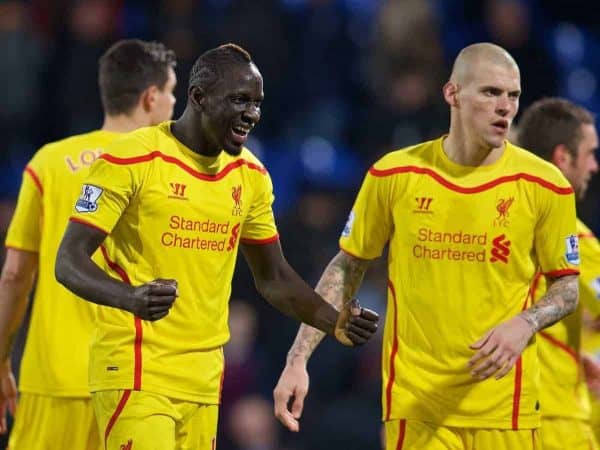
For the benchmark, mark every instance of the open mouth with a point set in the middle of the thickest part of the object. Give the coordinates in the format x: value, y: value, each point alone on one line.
x: 501, y: 125
x: 240, y: 133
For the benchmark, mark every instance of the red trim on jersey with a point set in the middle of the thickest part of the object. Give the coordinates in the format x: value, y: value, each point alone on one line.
x: 519, y: 378
x: 114, y: 266
x: 137, y: 351
x: 137, y: 322
x: 260, y: 241
x: 170, y: 159
x: 562, y: 273
x: 534, y: 285
x: 390, y: 384
x: 401, y: 435
x: 85, y: 222
x: 475, y: 189
x: 585, y: 235
x: 35, y: 178
x: 571, y: 352
x: 517, y: 393
x: 116, y: 415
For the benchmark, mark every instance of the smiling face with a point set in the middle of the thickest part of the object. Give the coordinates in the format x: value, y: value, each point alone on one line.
x: 231, y: 108
x: 488, y: 102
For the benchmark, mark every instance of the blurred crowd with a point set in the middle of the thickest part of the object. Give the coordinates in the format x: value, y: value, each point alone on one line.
x: 345, y: 81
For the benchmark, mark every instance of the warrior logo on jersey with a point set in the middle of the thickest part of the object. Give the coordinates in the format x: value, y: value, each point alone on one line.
x: 236, y: 194
x: 88, y: 201
x: 348, y: 227
x: 572, y: 253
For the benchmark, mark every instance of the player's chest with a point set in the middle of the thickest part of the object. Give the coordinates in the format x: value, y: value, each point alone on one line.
x: 505, y: 208
x: 178, y: 193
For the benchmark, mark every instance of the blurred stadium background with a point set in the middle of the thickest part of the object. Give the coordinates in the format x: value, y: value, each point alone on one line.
x: 345, y: 81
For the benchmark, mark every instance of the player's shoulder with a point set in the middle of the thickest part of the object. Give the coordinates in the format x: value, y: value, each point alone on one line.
x: 249, y: 157
x: 414, y: 155
x: 522, y: 160
x: 138, y: 143
x: 67, y: 144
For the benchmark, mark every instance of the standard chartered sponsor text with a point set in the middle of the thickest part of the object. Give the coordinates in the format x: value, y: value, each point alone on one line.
x: 453, y: 246
x: 204, y: 234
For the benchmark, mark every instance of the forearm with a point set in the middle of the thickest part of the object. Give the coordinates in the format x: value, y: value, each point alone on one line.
x: 85, y: 279
x: 338, y: 284
x: 296, y: 299
x: 559, y: 301
x: 14, y: 296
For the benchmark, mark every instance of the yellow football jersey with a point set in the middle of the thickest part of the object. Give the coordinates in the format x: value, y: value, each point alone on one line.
x: 55, y: 361
x: 564, y: 392
x: 171, y: 213
x: 464, y: 245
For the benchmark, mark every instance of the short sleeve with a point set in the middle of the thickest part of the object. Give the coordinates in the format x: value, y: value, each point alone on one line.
x: 105, y: 194
x: 556, y: 241
x: 24, y: 232
x: 370, y: 223
x: 259, y: 226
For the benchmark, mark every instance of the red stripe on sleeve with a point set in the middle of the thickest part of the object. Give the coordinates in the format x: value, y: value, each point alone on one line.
x: 86, y: 223
x: 260, y: 241
x: 562, y: 273
x: 36, y: 179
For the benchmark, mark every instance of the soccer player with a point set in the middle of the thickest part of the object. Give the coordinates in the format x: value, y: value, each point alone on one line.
x: 136, y: 81
x: 469, y: 217
x: 169, y: 206
x: 565, y: 134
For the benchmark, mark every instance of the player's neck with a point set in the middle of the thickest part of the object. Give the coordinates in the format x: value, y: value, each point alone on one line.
x: 124, y: 123
x: 189, y: 134
x: 466, y: 152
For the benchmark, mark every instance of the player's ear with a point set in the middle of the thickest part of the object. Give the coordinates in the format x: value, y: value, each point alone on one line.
x: 197, y: 97
x: 148, y: 98
x: 450, y: 91
x: 561, y: 157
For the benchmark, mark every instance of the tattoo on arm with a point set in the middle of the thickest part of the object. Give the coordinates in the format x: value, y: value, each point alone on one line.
x: 338, y: 284
x: 559, y: 301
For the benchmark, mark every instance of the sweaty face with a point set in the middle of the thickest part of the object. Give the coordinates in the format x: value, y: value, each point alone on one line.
x: 164, y: 100
x: 232, y: 109
x: 581, y: 168
x: 489, y: 101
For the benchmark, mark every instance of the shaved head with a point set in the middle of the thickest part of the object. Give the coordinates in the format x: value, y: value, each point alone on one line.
x: 470, y: 57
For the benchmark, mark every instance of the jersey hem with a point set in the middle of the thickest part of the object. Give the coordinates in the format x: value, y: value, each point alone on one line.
x: 525, y: 423
x: 88, y: 224
x: 21, y: 248
x: 260, y: 241
x: 147, y: 387
x: 55, y: 392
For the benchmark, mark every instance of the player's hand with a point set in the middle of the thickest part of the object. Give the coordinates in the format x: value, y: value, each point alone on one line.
x: 355, y: 325
x: 8, y: 394
x: 499, y: 349
x: 292, y: 385
x: 591, y: 369
x: 152, y: 301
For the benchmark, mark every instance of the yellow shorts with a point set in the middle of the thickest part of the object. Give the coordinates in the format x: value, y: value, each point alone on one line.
x: 414, y: 435
x: 138, y: 420
x: 558, y: 434
x: 44, y: 422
